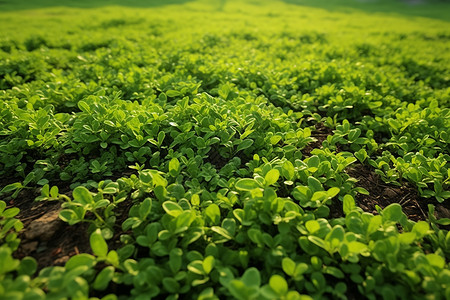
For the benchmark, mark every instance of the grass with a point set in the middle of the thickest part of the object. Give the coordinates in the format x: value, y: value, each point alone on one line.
x: 433, y: 9
x: 426, y: 9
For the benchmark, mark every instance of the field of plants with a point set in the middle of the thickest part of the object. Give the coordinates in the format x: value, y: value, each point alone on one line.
x: 226, y: 149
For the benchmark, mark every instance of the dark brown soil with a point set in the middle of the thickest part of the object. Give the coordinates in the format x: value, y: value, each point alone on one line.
x: 50, y: 240
x: 320, y: 134
x: 382, y: 194
x: 336, y: 209
x: 215, y: 158
x: 44, y: 237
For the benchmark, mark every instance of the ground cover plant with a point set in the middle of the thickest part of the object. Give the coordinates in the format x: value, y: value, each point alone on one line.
x: 224, y: 150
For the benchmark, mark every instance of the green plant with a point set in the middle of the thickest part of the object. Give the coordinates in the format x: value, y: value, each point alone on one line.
x: 215, y: 161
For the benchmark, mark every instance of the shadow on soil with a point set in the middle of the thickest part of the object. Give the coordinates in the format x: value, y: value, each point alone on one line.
x: 434, y: 9
x: 14, y: 5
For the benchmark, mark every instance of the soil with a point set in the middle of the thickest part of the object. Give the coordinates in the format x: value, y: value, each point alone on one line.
x: 45, y: 237
x: 382, y: 194
x: 320, y: 134
x: 50, y: 240
x: 215, y: 158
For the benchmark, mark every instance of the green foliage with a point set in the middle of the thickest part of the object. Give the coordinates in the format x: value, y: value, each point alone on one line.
x: 239, y: 136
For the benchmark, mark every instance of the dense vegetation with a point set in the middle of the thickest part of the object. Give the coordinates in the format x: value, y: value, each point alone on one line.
x: 212, y: 147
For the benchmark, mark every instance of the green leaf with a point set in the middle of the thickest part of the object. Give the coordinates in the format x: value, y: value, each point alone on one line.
x: 161, y: 136
x: 11, y: 187
x: 2, y: 206
x: 354, y: 134
x: 394, y: 124
x: 288, y: 266
x: 196, y: 267
x: 69, y: 216
x: 255, y: 236
x: 175, y: 259
x: 288, y: 170
x: 224, y: 91
x: 349, y: 204
x: 275, y: 139
x: 223, y: 232
x: 393, y: 212
x: 82, y: 195
x: 361, y: 155
x: 45, y: 191
x: 313, y: 161
x: 195, y: 199
x: 300, y: 269
x: 126, y: 251
x: 54, y: 192
x: 266, y: 292
x: 251, y: 277
x: 212, y: 213
x: 314, y: 184
x: 171, y: 285
x: 184, y: 220
x: 82, y: 259
x: 98, y: 244
x: 173, y: 93
x: 208, y: 264
x: 421, y: 228
x: 84, y: 107
x: 356, y: 247
x: 312, y: 226
x: 278, y: 284
x: 333, y: 271
x: 113, y: 258
x: 319, y: 196
x: 174, y: 166
x: 244, y: 144
x: 101, y: 203
x: 443, y: 221
x: 28, y: 266
x: 246, y: 184
x: 407, y: 238
x: 436, y: 260
x: 200, y: 142
x: 318, y: 279
x: 109, y: 123
x: 10, y: 213
x: 335, y: 236
x: 229, y: 225
x: 7, y: 262
x: 145, y: 208
x: 103, y: 278
x: 361, y: 190
x: 447, y: 240
x: 333, y: 192
x: 239, y: 290
x: 172, y: 208
x: 374, y: 224
x: 272, y: 177
x: 319, y: 242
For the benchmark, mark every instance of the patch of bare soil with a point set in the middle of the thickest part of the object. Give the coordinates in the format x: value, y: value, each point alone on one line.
x: 336, y: 209
x: 215, y: 158
x: 45, y: 237
x: 50, y: 240
x: 382, y: 194
x: 320, y: 134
